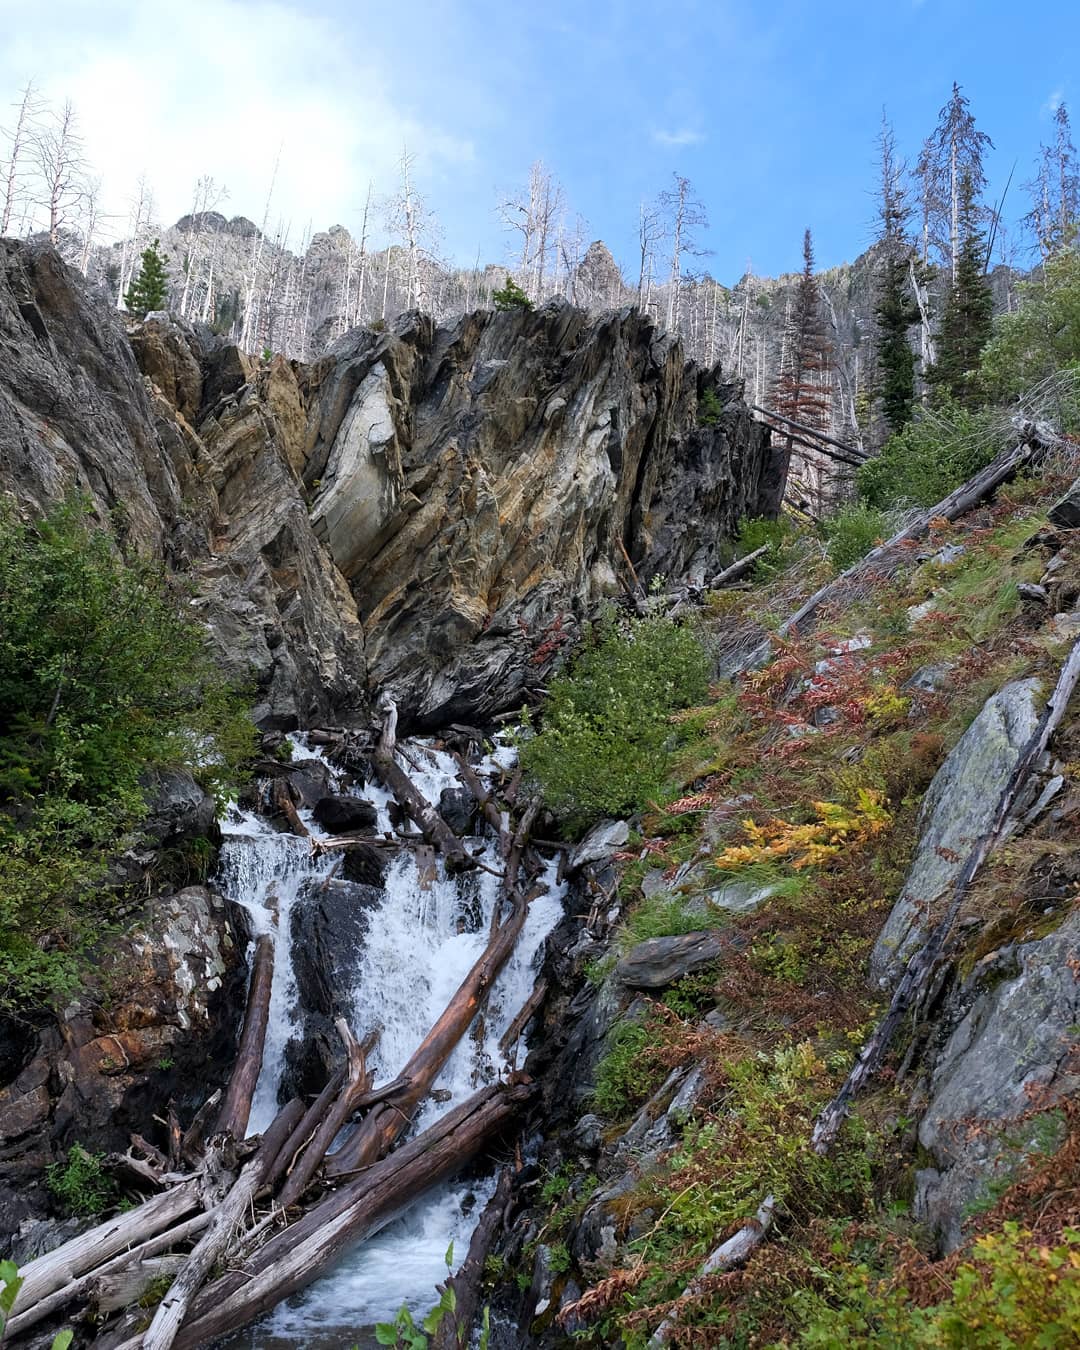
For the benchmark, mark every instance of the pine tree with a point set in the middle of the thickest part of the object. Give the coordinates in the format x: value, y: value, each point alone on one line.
x: 803, y: 389
x: 894, y: 309
x: 511, y: 296
x: 968, y: 318
x: 150, y: 288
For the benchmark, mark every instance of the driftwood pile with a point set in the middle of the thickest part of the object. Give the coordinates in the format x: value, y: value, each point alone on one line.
x: 239, y: 1223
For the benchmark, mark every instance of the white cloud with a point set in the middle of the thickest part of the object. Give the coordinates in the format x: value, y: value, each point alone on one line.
x: 683, y: 136
x: 219, y: 87
x: 1053, y: 102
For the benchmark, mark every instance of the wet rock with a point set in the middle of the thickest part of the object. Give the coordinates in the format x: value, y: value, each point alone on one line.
x: 1010, y: 1050
x: 178, y: 808
x: 956, y: 811
x: 600, y: 843
x: 1066, y: 513
x: 365, y: 864
x: 658, y: 962
x: 457, y: 806
x: 345, y: 815
x: 588, y: 1133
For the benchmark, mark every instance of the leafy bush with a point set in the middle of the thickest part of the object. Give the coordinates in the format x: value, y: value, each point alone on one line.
x: 511, y: 296
x: 604, y: 745
x: 80, y: 1183
x: 852, y: 532
x: 103, y: 672
x: 936, y: 452
x: 1012, y: 1292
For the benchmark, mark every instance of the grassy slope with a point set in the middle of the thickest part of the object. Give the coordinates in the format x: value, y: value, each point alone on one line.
x: 793, y: 986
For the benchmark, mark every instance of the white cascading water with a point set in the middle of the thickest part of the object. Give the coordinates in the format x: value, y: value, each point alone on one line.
x: 421, y: 941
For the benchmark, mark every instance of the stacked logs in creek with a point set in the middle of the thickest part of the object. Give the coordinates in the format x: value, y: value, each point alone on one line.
x: 274, y: 1211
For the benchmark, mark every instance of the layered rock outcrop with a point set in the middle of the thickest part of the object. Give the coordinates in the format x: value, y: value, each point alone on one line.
x: 431, y: 510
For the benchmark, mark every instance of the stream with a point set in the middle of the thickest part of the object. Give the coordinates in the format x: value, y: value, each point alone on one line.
x: 421, y: 939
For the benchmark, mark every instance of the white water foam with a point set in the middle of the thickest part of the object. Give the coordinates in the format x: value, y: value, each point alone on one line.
x: 422, y: 940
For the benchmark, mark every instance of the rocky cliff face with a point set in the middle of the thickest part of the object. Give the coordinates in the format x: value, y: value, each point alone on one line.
x: 431, y: 510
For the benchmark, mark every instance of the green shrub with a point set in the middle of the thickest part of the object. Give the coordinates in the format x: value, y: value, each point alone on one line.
x: 606, y: 733
x: 80, y: 1183
x: 627, y: 1074
x: 1041, y: 336
x: 709, y: 409
x: 510, y: 296
x: 10, y: 1284
x: 104, y: 672
x: 776, y: 535
x: 936, y: 452
x: 852, y: 532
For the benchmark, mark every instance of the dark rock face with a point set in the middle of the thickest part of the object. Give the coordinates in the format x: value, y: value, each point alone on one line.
x: 166, y: 1030
x: 658, y: 962
x: 178, y: 808
x: 477, y: 485
x: 345, y: 815
x: 197, y: 461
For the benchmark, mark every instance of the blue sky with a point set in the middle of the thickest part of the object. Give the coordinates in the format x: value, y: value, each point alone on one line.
x: 770, y: 109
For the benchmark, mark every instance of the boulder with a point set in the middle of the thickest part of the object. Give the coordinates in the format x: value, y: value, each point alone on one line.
x: 345, y: 815
x: 1066, y: 513
x: 956, y: 811
x: 1011, y: 1049
x: 365, y: 864
x: 177, y: 807
x: 658, y: 962
x: 742, y: 897
x: 457, y: 806
x: 600, y: 843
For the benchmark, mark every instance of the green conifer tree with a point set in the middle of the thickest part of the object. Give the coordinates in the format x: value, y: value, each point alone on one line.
x: 969, y: 309
x: 511, y: 296
x: 150, y: 288
x: 894, y: 309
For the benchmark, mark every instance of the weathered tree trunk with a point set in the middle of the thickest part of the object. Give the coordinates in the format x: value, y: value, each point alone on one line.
x: 236, y: 1107
x: 302, y: 1252
x: 386, y: 1121
x: 283, y: 803
x: 305, y: 1130
x: 435, y: 830
x: 736, y: 1250
x: 498, y: 820
x: 455, y: 1329
x: 737, y: 569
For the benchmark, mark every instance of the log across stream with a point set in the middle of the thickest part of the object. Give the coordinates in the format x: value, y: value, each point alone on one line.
x: 421, y: 941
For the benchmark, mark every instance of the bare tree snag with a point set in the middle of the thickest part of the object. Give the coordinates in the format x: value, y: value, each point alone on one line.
x: 236, y: 1107
x: 194, y: 1140
x: 357, y: 1082
x: 916, y: 976
x: 411, y: 800
x: 82, y: 1286
x: 303, y: 1251
x: 455, y: 1329
x: 733, y: 1252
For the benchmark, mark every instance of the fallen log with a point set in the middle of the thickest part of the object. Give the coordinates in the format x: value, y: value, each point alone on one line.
x: 301, y: 1252
x: 283, y: 803
x: 918, y: 971
x: 228, y: 1215
x: 455, y: 1329
x: 357, y: 1082
x: 387, y: 1120
x: 737, y: 569
x: 305, y: 1130
x: 498, y: 820
x: 80, y: 1287
x: 733, y: 1252
x: 55, y: 1269
x: 531, y: 1007
x: 236, y: 1108
x: 411, y: 800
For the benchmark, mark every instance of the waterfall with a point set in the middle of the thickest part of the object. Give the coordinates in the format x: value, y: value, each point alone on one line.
x: 422, y: 937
